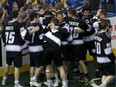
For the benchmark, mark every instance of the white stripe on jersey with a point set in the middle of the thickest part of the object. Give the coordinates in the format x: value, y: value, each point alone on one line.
x: 53, y: 38
x: 37, y: 48
x: 23, y: 32
x: 77, y: 42
x: 108, y: 50
x: 103, y: 60
x: 64, y: 42
x: 25, y: 45
x: 16, y: 48
x: 89, y: 38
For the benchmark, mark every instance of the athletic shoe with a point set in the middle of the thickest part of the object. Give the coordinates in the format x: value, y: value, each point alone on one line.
x: 64, y: 86
x: 31, y: 84
x: 34, y: 83
x: 49, y: 84
x: 45, y: 83
x: 56, y: 83
x: 3, y: 82
x: 17, y: 85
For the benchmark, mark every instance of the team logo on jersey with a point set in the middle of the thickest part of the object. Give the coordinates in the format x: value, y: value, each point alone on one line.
x: 93, y: 50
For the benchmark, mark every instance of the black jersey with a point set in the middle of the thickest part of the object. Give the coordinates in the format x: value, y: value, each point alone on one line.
x: 44, y: 21
x: 103, y: 47
x: 35, y: 38
x: 13, y: 36
x: 95, y: 23
x: 65, y: 29
x: 77, y: 38
x: 90, y: 32
x: 53, y: 37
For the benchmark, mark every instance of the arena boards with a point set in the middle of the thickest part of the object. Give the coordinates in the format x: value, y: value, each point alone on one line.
x: 0, y: 54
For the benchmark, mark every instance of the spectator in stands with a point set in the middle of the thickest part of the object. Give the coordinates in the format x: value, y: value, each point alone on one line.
x: 3, y: 13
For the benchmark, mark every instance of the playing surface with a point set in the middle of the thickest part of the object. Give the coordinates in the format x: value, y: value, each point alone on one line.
x: 73, y: 83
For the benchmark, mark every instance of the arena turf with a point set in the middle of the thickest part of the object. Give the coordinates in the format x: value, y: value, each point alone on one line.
x: 73, y: 83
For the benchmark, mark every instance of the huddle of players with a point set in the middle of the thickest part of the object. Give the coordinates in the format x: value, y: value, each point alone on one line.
x: 57, y: 37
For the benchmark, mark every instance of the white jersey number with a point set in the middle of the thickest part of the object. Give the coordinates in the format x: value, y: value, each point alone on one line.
x: 10, y: 36
x: 98, y: 48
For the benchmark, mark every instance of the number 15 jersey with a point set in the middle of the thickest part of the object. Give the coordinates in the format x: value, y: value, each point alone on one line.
x: 13, y: 36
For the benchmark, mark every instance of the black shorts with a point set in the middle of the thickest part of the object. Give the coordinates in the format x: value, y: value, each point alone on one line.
x: 36, y: 59
x: 90, y: 47
x: 107, y: 68
x: 69, y: 52
x: 52, y: 54
x: 65, y: 53
x: 17, y: 60
x: 78, y: 52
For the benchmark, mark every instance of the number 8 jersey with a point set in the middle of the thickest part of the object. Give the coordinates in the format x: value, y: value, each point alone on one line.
x: 14, y: 36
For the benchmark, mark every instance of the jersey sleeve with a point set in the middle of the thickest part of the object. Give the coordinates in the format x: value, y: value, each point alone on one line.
x: 108, y: 49
x: 83, y: 25
x: 106, y: 45
x: 64, y: 32
x: 41, y: 32
x: 24, y: 34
